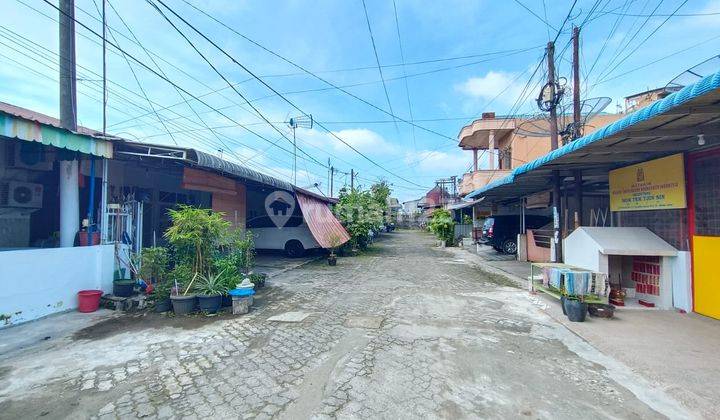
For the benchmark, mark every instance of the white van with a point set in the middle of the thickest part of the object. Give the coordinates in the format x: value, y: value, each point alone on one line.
x: 294, y: 237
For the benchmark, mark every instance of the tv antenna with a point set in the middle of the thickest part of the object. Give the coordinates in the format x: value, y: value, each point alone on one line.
x: 302, y: 121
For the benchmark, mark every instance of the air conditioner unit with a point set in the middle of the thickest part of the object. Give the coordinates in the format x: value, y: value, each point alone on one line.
x: 21, y: 194
x: 30, y: 156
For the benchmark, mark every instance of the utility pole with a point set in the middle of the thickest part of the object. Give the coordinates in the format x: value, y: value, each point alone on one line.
x: 577, y: 118
x: 557, y: 240
x: 577, y: 122
x: 332, y: 179
x: 352, y: 180
x: 69, y: 191
x: 551, y: 85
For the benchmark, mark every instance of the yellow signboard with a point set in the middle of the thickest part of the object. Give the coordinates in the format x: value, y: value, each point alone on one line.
x: 652, y: 185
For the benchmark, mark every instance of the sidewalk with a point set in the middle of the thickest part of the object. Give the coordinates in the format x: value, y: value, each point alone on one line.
x: 676, y: 352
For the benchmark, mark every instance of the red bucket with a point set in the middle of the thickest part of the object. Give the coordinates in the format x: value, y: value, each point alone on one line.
x: 89, y: 300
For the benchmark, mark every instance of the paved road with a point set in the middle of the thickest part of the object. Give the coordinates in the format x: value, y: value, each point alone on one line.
x: 405, y: 331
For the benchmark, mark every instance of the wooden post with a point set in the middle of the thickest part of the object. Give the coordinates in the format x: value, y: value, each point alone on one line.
x: 578, y: 196
x: 577, y: 118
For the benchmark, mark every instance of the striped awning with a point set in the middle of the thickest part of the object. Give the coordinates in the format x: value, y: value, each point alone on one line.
x: 324, y: 226
x: 16, y: 127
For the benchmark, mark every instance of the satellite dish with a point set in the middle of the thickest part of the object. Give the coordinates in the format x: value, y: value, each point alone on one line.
x: 694, y: 74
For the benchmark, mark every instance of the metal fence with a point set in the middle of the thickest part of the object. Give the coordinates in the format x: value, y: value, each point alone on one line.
x: 463, y: 231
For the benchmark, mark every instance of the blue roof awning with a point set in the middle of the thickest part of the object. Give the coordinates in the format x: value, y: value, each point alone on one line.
x: 668, y: 126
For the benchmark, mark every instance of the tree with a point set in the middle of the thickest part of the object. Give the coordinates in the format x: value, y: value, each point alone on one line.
x: 442, y: 225
x: 361, y: 211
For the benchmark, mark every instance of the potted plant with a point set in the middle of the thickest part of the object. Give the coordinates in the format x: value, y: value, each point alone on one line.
x: 182, y: 301
x: 161, y: 295
x: 210, y: 289
x: 576, y: 308
x: 258, y: 279
x: 153, y: 264
x: 335, y: 242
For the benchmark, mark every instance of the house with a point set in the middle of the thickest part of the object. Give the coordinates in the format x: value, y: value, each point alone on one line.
x: 501, y: 144
x: 62, y: 231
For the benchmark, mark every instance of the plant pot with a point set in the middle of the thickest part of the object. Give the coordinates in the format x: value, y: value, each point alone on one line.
x: 332, y: 260
x: 210, y: 303
x: 576, y: 310
x: 183, y: 304
x: 563, y: 302
x: 163, y: 305
x: 83, y: 238
x: 123, y: 288
x: 226, y: 301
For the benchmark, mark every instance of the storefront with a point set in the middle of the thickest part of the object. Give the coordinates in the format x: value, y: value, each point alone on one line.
x: 703, y: 169
x: 655, y: 169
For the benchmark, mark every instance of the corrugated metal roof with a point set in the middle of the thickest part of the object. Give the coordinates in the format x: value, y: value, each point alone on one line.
x: 31, y: 115
x: 206, y: 160
x: 23, y: 124
x: 324, y: 226
x: 657, y: 130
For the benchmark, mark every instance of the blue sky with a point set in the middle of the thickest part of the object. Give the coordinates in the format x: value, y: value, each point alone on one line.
x: 501, y: 41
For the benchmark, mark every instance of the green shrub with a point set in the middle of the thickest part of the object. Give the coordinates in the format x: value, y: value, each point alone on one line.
x: 442, y: 225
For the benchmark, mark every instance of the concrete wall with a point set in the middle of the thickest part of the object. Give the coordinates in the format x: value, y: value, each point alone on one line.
x: 40, y: 282
x: 580, y: 250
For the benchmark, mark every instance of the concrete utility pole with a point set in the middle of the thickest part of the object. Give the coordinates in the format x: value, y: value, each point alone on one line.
x: 69, y: 190
x: 577, y: 122
x: 557, y: 240
x: 352, y: 180
x: 332, y: 179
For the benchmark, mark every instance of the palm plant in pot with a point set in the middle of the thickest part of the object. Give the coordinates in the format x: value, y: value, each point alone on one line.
x: 335, y: 242
x: 195, y: 235
x: 210, y: 289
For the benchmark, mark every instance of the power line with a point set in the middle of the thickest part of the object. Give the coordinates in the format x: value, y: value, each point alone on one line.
x: 407, y: 89
x: 133, y: 58
x: 646, y: 38
x: 36, y: 49
x: 377, y: 60
x: 213, y: 43
x: 303, y: 69
x: 536, y: 15
x: 513, y: 52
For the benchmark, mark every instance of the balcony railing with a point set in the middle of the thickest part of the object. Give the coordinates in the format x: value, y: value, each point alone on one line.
x: 474, y: 180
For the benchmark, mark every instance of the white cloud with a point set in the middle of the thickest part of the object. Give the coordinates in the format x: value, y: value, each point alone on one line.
x: 362, y: 139
x: 490, y: 85
x: 440, y: 162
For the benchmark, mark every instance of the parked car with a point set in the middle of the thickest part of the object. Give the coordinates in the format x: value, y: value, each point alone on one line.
x: 501, y: 232
x: 294, y: 238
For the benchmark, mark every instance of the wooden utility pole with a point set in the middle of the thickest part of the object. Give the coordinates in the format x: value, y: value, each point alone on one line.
x: 577, y: 118
x: 69, y: 191
x: 551, y: 86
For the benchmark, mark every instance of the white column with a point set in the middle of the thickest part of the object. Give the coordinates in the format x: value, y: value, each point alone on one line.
x: 103, y: 203
x: 475, y: 158
x: 491, y: 149
x: 69, y: 202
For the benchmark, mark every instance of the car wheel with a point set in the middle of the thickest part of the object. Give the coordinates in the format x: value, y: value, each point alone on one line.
x: 294, y: 249
x: 509, y: 246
